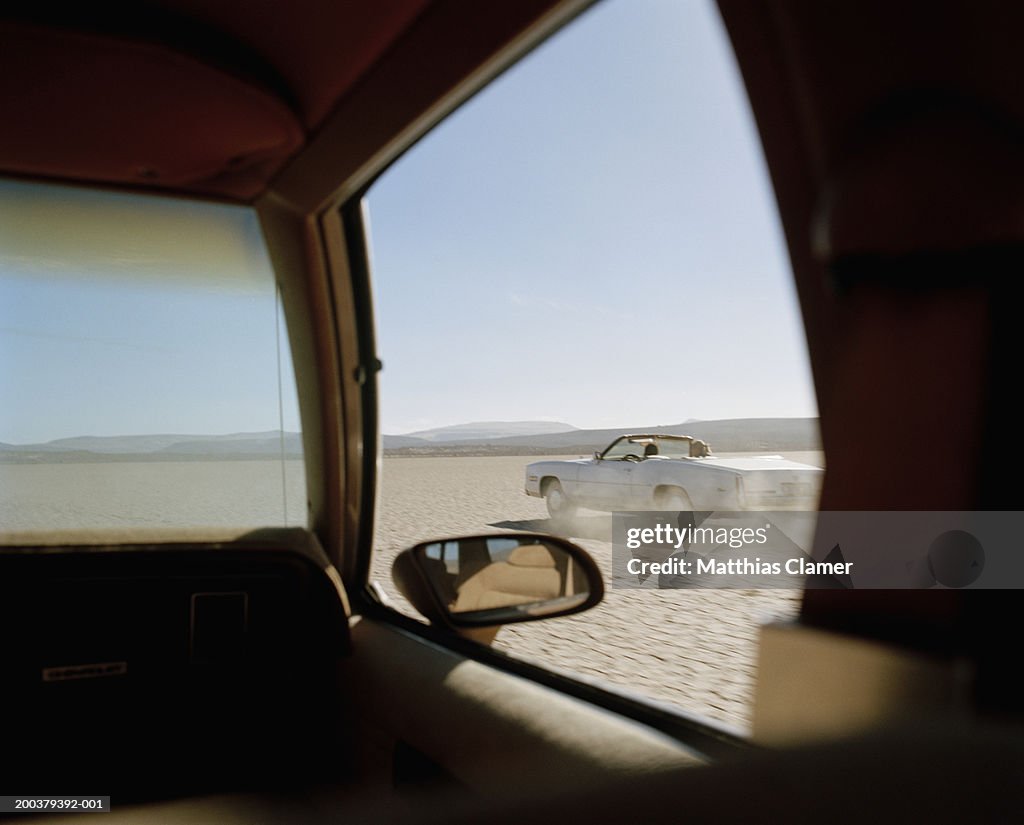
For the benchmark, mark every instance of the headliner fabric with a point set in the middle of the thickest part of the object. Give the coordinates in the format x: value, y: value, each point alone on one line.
x: 186, y: 96
x: 91, y: 106
x: 320, y: 50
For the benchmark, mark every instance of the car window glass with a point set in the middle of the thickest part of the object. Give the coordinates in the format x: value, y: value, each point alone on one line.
x: 146, y: 375
x: 619, y: 158
x: 622, y: 449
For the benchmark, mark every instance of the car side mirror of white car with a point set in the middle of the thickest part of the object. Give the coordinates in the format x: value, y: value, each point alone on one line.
x: 597, y: 456
x: 475, y: 584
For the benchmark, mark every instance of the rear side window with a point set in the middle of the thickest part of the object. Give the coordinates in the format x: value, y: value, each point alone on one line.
x: 145, y: 372
x: 588, y: 249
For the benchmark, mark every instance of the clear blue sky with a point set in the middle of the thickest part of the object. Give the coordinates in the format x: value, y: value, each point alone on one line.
x: 593, y: 239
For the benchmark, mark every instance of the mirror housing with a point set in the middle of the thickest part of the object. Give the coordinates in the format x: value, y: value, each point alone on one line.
x: 475, y: 584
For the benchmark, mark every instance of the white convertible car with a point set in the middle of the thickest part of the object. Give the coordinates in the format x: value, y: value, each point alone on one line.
x: 672, y: 472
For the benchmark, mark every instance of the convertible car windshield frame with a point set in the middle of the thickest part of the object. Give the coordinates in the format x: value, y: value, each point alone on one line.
x: 644, y: 438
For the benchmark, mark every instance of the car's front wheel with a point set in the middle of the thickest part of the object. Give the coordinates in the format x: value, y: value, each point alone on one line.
x: 559, y: 506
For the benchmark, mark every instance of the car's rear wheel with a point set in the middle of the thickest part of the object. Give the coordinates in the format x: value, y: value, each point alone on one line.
x: 674, y: 499
x: 559, y: 506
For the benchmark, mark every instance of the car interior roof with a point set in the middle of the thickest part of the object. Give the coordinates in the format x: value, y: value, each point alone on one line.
x: 195, y: 97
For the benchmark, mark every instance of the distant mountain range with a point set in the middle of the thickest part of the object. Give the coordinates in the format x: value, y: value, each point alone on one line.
x: 727, y: 436
x: 158, y: 447
x: 477, y: 438
x: 484, y: 430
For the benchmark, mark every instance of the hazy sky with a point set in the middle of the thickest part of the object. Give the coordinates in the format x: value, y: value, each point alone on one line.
x: 592, y: 239
x: 122, y: 315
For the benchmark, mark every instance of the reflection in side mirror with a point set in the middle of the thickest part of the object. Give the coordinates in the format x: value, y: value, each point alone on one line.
x: 488, y: 581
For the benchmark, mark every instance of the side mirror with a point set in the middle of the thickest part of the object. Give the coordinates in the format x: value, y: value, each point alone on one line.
x: 597, y: 456
x: 475, y: 584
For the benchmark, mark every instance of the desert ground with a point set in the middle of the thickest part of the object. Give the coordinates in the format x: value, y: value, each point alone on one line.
x: 693, y: 649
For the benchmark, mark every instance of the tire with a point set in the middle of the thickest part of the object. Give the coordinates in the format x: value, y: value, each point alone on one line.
x: 558, y: 504
x: 673, y: 499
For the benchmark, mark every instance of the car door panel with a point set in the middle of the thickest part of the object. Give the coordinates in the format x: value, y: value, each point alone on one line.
x: 605, y: 484
x: 483, y: 725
